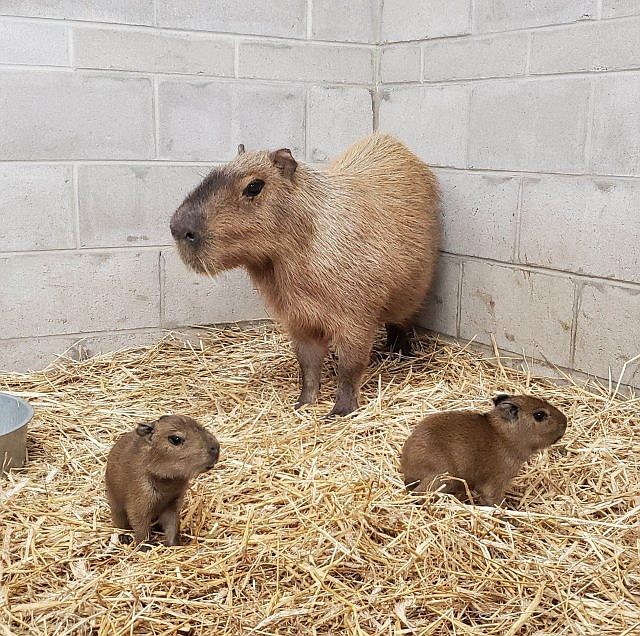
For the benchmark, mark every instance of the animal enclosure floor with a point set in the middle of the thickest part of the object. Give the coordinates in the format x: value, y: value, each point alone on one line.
x: 304, y: 527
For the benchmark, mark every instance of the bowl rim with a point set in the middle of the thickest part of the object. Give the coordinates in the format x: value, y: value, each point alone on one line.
x: 28, y: 414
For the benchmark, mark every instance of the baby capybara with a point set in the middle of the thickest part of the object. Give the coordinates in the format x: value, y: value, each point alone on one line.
x: 335, y: 252
x: 485, y: 449
x: 148, y: 473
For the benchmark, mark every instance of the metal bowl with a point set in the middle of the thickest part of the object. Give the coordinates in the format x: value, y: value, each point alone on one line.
x: 15, y: 414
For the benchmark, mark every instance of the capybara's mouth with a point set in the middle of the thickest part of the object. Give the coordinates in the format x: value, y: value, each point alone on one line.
x: 190, y: 258
x: 559, y: 437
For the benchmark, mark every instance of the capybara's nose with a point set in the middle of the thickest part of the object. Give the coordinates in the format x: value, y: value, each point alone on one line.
x: 214, y: 451
x: 183, y: 227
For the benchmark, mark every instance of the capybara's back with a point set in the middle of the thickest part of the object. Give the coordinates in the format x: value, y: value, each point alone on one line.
x: 396, y: 196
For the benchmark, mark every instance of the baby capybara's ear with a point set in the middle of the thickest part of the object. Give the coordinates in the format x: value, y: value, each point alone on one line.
x: 146, y: 429
x: 240, y: 149
x: 501, y: 397
x: 284, y: 161
x: 508, y: 410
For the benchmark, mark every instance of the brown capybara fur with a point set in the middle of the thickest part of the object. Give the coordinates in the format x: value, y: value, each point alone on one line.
x: 485, y: 449
x: 148, y: 472
x: 335, y: 252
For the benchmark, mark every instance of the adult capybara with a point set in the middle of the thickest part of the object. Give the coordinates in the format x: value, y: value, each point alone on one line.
x: 148, y: 473
x: 485, y: 449
x: 335, y: 252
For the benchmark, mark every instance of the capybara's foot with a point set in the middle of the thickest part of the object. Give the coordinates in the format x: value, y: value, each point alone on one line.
x: 125, y: 539
x: 306, y: 397
x: 343, y: 407
x: 170, y: 542
x: 398, y: 340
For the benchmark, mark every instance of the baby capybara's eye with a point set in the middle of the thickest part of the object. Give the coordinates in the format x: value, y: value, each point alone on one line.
x: 176, y: 440
x: 254, y: 188
x: 538, y: 416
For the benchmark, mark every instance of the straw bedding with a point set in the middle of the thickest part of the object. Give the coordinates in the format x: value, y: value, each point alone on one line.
x: 304, y: 527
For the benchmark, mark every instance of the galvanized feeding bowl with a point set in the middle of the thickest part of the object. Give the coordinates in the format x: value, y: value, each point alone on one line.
x: 15, y: 414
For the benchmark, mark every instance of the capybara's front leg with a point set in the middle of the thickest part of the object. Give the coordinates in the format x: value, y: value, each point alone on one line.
x: 141, y: 524
x: 490, y: 494
x: 352, y: 361
x: 310, y: 354
x: 170, y: 520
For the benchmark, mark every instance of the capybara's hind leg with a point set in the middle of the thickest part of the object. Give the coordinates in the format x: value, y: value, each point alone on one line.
x: 310, y: 354
x: 398, y: 339
x: 352, y: 361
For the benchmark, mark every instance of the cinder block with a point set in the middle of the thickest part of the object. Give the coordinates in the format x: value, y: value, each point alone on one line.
x: 504, y: 15
x: 479, y: 214
x: 33, y: 43
x: 410, y: 20
x: 400, y: 63
x: 59, y: 115
x: 337, y: 117
x: 594, y: 46
x: 122, y: 11
x: 616, y: 126
x: 492, y: 56
x: 582, y: 225
x: 529, y: 125
x: 194, y: 299
x: 143, y: 50
x: 131, y: 205
x: 440, y: 309
x: 32, y: 354
x: 72, y: 292
x: 36, y: 206
x: 607, y: 334
x: 353, y: 21
x: 285, y: 18
x: 205, y: 121
x: 619, y: 8
x: 306, y: 62
x: 526, y: 311
x: 432, y: 121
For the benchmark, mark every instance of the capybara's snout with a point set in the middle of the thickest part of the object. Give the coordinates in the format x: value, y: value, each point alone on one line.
x: 186, y: 225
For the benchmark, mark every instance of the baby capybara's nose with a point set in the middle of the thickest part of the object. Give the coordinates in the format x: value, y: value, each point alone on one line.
x: 184, y: 227
x: 214, y: 451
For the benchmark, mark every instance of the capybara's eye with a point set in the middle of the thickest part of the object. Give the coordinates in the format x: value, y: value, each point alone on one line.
x: 538, y: 416
x: 176, y: 440
x: 254, y: 188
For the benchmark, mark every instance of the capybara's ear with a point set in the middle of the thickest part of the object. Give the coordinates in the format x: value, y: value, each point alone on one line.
x: 508, y: 410
x: 240, y: 149
x: 284, y: 161
x: 146, y: 429
x: 501, y: 397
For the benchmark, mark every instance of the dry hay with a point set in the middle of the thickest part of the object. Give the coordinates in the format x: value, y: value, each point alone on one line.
x: 305, y: 528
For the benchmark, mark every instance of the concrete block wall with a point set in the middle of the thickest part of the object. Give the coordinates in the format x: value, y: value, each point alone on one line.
x: 111, y: 111
x: 530, y: 112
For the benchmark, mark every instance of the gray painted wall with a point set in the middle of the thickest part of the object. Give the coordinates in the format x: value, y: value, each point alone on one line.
x: 530, y: 113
